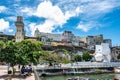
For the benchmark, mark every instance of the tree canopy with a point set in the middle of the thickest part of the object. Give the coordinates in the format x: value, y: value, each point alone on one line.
x: 22, y: 53
x: 78, y: 58
x: 1, y: 45
x: 118, y: 56
x: 86, y: 56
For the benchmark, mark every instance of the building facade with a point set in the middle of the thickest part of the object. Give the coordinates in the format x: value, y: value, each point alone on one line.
x: 98, y: 39
x: 115, y: 52
x: 53, y: 37
x: 91, y: 41
x: 66, y: 37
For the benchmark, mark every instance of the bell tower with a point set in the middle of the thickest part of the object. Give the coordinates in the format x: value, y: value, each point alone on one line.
x: 20, y: 33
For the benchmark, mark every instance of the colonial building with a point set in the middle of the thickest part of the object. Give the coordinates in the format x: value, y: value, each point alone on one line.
x: 91, y: 41
x: 115, y: 53
x: 67, y: 37
x: 53, y: 37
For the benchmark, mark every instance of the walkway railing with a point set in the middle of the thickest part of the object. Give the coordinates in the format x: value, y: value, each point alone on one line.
x: 84, y: 65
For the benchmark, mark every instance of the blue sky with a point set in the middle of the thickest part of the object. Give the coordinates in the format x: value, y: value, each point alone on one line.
x: 82, y: 17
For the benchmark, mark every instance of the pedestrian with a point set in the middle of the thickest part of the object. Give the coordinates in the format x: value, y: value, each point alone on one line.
x: 30, y: 70
x: 23, y: 71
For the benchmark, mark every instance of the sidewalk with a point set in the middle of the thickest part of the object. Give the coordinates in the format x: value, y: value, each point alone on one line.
x: 17, y: 76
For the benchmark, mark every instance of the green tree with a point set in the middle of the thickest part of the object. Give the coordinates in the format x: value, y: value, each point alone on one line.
x: 118, y: 56
x: 65, y: 51
x: 65, y: 60
x: 55, y: 58
x: 78, y: 58
x: 86, y: 56
x: 1, y: 45
x: 8, y: 53
x: 22, y: 53
x: 49, y: 40
x: 29, y: 52
x: 39, y: 38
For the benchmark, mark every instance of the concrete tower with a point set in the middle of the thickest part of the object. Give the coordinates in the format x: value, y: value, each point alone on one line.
x: 20, y: 33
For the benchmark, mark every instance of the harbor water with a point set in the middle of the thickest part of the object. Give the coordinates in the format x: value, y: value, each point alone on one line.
x: 91, y: 77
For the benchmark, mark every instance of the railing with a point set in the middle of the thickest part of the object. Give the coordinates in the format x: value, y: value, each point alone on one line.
x: 93, y: 64
x: 84, y: 65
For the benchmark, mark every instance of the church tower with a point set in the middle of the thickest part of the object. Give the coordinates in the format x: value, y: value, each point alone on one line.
x: 20, y: 33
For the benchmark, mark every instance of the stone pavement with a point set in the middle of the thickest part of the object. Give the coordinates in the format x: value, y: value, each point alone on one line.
x: 17, y: 76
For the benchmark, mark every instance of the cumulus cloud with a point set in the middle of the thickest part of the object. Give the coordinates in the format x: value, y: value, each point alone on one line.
x: 4, y: 25
x: 97, y: 8
x: 89, y: 12
x: 47, y: 10
x: 10, y: 30
x: 54, y: 16
x: 47, y: 27
x: 11, y: 18
x: 2, y: 8
x: 94, y: 10
x: 28, y: 11
x: 86, y: 26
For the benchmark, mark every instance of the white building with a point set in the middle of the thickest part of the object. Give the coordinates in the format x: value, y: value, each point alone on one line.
x: 103, y: 53
x: 66, y: 36
x: 53, y: 37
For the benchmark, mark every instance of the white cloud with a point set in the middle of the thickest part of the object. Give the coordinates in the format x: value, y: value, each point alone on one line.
x: 89, y: 11
x: 97, y: 8
x: 2, y: 8
x: 11, y: 18
x: 28, y: 11
x: 54, y: 17
x: 10, y: 30
x: 47, y: 27
x: 86, y: 26
x: 54, y: 13
x: 4, y: 25
x: 92, y: 10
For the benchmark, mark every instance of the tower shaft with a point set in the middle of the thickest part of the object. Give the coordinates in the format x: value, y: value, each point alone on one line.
x: 20, y: 33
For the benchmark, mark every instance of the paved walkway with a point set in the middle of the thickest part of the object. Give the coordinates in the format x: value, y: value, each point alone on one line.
x: 17, y: 76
